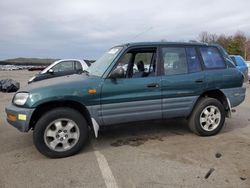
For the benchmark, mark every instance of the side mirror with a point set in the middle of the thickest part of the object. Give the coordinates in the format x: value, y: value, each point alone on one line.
x: 51, y: 71
x: 119, y: 72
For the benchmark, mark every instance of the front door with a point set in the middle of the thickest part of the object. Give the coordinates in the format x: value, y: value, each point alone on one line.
x: 137, y: 95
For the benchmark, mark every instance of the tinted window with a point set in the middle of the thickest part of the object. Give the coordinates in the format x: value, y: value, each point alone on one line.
x: 212, y: 57
x: 174, y: 60
x: 193, y: 60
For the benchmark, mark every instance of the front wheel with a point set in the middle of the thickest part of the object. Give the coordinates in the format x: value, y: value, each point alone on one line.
x: 61, y: 132
x: 208, y: 117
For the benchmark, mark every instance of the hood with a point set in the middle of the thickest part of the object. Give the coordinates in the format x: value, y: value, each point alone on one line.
x: 57, y: 81
x: 72, y: 87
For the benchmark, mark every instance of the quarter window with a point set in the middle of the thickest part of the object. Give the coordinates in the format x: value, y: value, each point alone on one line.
x: 175, y: 61
x: 212, y: 58
x: 193, y: 60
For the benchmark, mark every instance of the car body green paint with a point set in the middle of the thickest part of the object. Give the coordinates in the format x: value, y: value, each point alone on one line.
x: 126, y: 93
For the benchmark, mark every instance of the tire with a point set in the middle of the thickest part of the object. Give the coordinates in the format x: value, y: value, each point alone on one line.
x: 61, y: 132
x: 203, y: 121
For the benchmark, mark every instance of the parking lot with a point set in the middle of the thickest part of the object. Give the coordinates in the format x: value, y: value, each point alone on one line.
x: 152, y: 154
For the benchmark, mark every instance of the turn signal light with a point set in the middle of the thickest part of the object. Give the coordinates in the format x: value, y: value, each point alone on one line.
x: 11, y: 117
x: 92, y: 91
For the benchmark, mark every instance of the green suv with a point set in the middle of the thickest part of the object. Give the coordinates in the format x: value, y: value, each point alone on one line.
x: 131, y: 82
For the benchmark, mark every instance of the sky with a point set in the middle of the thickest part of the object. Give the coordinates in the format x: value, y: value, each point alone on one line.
x: 87, y: 28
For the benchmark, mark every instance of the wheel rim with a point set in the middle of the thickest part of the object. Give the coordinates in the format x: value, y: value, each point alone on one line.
x: 210, y: 118
x: 61, y: 135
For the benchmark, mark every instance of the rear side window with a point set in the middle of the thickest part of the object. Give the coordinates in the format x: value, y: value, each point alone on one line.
x: 212, y: 58
x: 78, y: 65
x: 175, y: 61
x: 193, y: 60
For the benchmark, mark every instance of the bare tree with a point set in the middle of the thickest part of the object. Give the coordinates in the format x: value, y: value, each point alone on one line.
x: 204, y: 37
x: 238, y: 44
x: 207, y: 37
x: 224, y: 41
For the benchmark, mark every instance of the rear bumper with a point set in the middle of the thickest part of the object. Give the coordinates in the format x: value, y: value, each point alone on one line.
x: 23, y: 116
x: 235, y: 95
x: 246, y: 76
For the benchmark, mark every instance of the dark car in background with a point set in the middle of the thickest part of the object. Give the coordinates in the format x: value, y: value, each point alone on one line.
x: 61, y: 67
x: 241, y: 65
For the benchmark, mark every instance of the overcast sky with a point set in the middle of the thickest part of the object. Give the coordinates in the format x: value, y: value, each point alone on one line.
x: 87, y: 28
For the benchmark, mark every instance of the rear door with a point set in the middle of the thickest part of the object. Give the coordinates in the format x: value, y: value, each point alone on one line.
x: 183, y: 80
x: 137, y: 96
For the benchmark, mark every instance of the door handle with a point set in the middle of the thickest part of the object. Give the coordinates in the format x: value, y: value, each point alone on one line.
x: 153, y: 85
x: 199, y: 81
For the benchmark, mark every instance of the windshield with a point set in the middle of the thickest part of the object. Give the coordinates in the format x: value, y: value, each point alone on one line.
x: 100, y: 66
x: 49, y: 67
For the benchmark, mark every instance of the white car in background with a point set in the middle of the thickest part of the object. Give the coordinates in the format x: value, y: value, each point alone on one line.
x: 61, y: 68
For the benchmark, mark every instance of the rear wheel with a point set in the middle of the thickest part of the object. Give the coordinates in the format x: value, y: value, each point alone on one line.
x: 61, y: 132
x: 208, y: 117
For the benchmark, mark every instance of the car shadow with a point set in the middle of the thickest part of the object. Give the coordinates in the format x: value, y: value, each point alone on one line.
x: 136, y: 133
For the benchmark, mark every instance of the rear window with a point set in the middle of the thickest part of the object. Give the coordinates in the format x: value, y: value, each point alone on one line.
x: 212, y: 58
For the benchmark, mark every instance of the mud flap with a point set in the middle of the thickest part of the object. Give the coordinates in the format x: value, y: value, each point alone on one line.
x: 95, y: 127
x: 229, y: 111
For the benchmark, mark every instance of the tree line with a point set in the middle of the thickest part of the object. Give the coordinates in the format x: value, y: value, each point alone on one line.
x: 237, y: 44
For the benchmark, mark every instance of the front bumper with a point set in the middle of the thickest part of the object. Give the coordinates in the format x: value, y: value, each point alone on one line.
x: 20, y: 117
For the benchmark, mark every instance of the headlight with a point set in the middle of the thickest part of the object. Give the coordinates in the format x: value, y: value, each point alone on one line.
x: 20, y: 98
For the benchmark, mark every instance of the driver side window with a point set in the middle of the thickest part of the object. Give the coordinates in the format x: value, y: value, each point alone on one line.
x: 137, y: 64
x: 143, y: 65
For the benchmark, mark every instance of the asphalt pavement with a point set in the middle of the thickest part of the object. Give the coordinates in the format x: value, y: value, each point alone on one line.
x: 151, y: 154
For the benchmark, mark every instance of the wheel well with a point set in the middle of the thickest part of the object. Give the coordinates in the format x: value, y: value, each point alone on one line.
x: 43, y: 108
x: 216, y: 94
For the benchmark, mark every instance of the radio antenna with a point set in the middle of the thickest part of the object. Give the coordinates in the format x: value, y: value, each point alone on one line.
x: 145, y: 31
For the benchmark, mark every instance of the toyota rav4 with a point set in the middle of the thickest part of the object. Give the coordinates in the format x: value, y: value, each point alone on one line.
x: 131, y: 82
